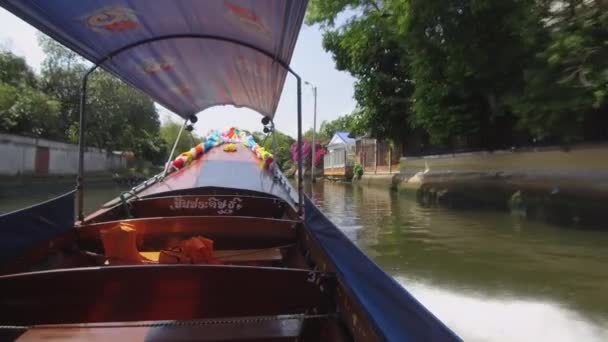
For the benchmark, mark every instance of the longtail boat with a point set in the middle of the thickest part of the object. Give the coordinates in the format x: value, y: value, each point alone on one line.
x: 217, y: 247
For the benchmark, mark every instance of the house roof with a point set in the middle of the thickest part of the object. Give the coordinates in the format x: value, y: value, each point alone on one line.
x: 345, y: 137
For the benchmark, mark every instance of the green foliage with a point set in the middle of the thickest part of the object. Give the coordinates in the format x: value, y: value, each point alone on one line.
x: 23, y: 108
x: 61, y: 73
x: 152, y: 147
x: 369, y: 47
x: 569, y: 76
x: 169, y: 132
x: 15, y: 71
x: 327, y: 129
x: 8, y: 97
x: 467, y: 58
x: 280, y: 148
x: 308, y: 134
x: 347, y: 123
x: 358, y: 171
x: 473, y: 73
x: 118, y: 116
x: 35, y: 114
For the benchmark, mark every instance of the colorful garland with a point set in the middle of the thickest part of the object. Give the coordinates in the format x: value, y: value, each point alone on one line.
x: 215, y: 138
x: 230, y: 148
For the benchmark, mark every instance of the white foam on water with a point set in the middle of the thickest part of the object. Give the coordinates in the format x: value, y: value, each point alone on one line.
x: 477, y: 318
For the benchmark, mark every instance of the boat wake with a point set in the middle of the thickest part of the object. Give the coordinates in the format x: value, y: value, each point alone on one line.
x: 478, y: 318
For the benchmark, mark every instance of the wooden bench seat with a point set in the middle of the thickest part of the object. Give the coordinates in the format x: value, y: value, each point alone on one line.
x: 227, y: 232
x: 251, y: 328
x: 159, y: 292
x: 238, y: 256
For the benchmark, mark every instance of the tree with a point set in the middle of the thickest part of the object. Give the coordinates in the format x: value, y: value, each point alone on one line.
x: 169, y: 132
x: 35, y: 114
x: 8, y: 97
x: 345, y: 123
x: 306, y: 153
x: 61, y: 74
x: 23, y: 108
x: 467, y: 61
x: 567, y: 82
x: 279, y: 144
x: 151, y: 147
x: 473, y: 74
x: 369, y: 47
x: 119, y: 117
x: 14, y: 71
x: 320, y: 151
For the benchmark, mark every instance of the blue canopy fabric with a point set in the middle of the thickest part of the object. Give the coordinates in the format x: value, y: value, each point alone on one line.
x: 186, y: 75
x: 23, y: 229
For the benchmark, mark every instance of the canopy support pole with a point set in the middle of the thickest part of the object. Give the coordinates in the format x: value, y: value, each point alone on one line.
x: 179, y: 135
x: 81, y: 144
x: 300, y: 161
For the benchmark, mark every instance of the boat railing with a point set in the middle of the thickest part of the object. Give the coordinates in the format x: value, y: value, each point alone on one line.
x: 132, y: 193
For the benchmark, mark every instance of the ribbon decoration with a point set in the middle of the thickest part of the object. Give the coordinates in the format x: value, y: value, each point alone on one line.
x: 215, y: 138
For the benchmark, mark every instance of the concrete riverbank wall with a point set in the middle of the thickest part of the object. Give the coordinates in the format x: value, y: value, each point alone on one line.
x: 41, y: 157
x: 550, y: 184
x: 587, y: 163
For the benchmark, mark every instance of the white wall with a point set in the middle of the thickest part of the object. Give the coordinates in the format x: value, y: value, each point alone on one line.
x: 18, y: 156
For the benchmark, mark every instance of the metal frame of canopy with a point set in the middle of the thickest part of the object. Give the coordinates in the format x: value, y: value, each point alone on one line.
x: 83, y: 95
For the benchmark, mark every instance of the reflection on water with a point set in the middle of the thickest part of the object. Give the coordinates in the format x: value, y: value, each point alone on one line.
x: 480, y: 318
x: 490, y: 276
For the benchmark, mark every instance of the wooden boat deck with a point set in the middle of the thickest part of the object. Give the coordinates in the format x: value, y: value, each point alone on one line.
x: 257, y: 328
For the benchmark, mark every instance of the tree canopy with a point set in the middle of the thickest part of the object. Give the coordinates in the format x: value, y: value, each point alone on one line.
x: 345, y: 123
x: 46, y: 105
x: 169, y: 131
x: 23, y: 107
x: 280, y: 148
x: 473, y: 73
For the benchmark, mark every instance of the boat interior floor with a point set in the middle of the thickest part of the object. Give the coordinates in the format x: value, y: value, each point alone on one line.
x: 261, y: 286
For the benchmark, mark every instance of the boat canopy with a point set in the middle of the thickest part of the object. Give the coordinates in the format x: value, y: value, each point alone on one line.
x: 188, y: 55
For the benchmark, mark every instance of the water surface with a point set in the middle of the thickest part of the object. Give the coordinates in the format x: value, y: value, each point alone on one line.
x: 488, y: 275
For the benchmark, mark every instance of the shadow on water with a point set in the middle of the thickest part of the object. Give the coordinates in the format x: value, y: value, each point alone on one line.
x: 489, y: 275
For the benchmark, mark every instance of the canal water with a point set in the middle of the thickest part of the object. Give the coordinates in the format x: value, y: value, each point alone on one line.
x: 489, y: 276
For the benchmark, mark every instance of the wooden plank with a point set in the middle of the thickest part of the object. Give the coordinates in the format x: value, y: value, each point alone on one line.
x: 235, y: 256
x: 158, y: 292
x: 336, y: 171
x: 228, y: 232
x: 266, y: 328
x: 202, y: 205
x: 197, y: 205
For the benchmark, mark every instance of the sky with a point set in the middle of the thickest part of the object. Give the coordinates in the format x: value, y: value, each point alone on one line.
x: 335, y: 88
